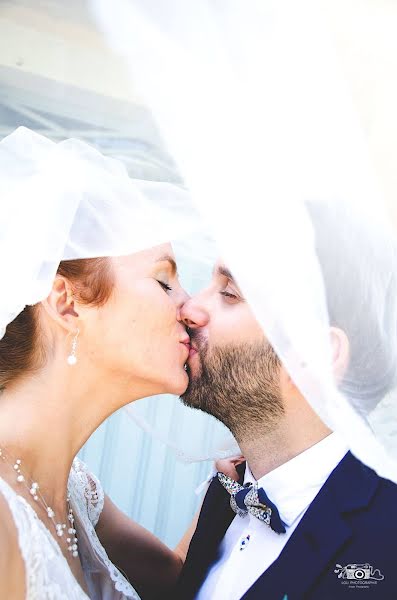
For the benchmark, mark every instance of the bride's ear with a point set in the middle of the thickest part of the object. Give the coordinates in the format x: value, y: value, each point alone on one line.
x: 60, y: 305
x: 340, y: 349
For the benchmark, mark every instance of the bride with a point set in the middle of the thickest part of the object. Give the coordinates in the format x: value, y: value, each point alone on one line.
x: 90, y: 321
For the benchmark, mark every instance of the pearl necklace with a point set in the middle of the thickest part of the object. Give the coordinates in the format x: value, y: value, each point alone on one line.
x: 34, y: 490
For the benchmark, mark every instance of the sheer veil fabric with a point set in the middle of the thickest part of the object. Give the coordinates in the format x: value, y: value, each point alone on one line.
x: 255, y: 108
x: 62, y: 201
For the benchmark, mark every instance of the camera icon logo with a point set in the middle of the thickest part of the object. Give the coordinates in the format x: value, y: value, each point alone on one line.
x: 358, y: 572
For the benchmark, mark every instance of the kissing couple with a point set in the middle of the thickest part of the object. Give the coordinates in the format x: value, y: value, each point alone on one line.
x: 93, y: 317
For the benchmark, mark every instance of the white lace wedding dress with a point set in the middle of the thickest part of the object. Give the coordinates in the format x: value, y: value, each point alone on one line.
x: 48, y: 576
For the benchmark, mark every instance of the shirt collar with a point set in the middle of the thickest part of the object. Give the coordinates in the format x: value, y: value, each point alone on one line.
x: 294, y: 485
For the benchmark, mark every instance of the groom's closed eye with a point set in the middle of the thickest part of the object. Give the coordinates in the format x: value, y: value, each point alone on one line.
x: 230, y: 296
x: 230, y: 292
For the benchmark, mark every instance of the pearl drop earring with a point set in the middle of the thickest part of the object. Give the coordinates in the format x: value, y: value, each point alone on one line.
x: 72, y: 359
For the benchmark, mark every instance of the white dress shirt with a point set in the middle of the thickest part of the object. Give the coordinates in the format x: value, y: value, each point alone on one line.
x: 292, y: 487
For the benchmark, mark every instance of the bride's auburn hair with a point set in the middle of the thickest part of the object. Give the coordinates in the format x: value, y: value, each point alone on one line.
x: 21, y: 348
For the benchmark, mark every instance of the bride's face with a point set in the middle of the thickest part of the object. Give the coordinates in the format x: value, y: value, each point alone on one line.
x: 137, y: 338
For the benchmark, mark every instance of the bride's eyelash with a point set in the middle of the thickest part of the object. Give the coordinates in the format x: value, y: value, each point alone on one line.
x: 228, y: 294
x: 165, y: 286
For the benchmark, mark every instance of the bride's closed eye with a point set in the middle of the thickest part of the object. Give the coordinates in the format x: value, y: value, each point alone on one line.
x: 164, y: 285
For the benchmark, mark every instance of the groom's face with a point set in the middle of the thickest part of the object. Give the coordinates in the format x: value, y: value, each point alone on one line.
x: 233, y: 371
x: 219, y: 316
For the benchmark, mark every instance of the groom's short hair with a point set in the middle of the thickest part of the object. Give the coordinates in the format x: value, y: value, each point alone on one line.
x: 358, y: 261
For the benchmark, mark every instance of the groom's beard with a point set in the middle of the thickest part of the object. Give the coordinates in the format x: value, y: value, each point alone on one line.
x: 237, y: 384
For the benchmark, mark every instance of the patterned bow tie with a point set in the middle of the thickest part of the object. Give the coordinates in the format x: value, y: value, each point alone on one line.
x: 253, y: 500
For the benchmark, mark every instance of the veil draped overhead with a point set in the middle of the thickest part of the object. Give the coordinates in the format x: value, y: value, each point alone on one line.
x: 254, y: 107
x: 62, y: 201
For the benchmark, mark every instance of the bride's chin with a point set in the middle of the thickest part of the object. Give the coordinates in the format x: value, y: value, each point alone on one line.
x: 180, y: 383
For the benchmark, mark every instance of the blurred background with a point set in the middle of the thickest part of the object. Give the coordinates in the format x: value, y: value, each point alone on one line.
x: 58, y: 77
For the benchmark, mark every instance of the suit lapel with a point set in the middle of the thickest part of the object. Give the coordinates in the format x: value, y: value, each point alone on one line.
x: 215, y: 518
x: 217, y: 515
x: 313, y: 546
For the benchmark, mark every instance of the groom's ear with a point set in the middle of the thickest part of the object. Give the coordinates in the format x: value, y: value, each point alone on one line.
x: 340, y: 354
x: 340, y: 349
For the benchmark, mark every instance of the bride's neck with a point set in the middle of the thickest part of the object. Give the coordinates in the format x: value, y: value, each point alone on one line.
x: 46, y: 418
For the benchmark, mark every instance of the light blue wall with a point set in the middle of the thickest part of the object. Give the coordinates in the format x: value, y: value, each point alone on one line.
x: 142, y: 476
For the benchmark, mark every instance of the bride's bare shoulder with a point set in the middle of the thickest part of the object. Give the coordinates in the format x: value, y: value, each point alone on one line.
x: 12, y: 568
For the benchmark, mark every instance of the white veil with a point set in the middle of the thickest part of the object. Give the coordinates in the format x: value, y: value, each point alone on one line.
x: 62, y: 201
x: 253, y: 105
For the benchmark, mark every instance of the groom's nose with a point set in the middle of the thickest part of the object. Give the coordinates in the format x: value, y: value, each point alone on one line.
x: 193, y: 315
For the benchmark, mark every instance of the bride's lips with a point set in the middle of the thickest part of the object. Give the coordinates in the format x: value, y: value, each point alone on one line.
x: 186, y: 343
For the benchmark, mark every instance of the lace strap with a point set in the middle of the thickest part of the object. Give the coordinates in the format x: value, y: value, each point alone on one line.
x: 88, y: 496
x: 93, y: 491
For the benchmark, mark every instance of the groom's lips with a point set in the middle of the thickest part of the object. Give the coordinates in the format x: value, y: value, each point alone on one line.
x: 192, y: 351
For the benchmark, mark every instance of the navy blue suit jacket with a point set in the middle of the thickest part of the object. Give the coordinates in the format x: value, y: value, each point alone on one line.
x: 352, y: 521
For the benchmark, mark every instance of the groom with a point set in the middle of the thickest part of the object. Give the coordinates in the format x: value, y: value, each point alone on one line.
x: 326, y: 526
